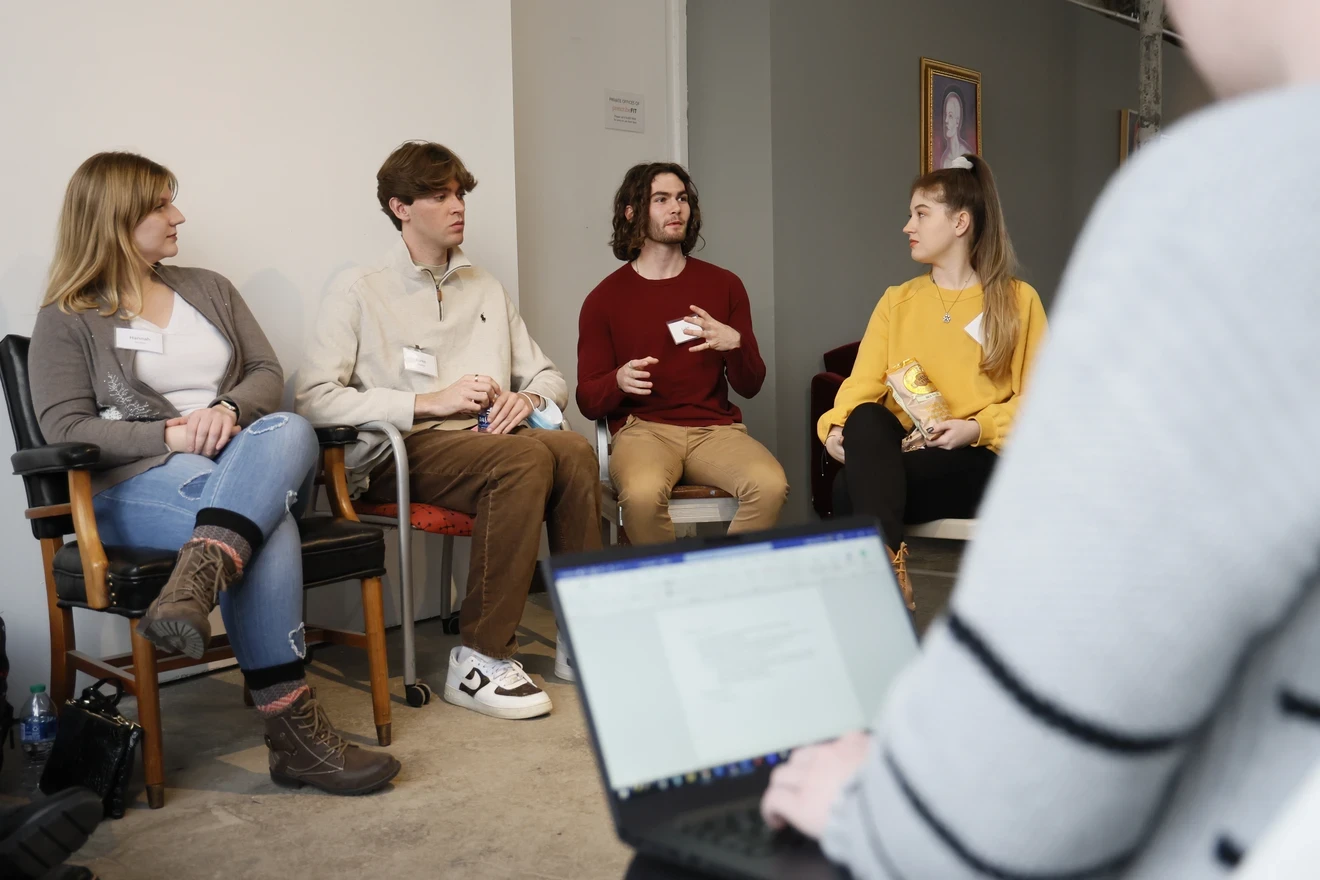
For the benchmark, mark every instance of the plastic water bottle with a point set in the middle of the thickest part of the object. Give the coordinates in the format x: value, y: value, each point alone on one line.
x: 37, y: 735
x: 483, y: 421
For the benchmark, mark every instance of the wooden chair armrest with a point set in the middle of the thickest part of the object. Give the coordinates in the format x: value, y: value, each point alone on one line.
x: 54, y: 458
x: 336, y: 435
x: 94, y: 564
x: 335, y: 476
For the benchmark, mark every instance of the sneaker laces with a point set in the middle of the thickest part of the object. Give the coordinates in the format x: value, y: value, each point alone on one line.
x: 203, y: 574
x: 507, y: 674
x: 900, y: 560
x: 312, y: 719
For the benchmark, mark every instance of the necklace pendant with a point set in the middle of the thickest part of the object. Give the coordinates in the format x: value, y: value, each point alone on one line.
x: 947, y: 317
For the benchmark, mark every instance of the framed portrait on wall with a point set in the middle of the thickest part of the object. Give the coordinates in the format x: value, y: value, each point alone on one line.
x: 1128, y: 122
x: 950, y: 113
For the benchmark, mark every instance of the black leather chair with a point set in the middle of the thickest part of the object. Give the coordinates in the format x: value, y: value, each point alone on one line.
x: 124, y: 580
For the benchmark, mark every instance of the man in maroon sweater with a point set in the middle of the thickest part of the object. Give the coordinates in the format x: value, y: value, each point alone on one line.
x: 660, y: 342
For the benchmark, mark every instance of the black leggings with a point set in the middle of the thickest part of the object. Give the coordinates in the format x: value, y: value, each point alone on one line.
x: 899, y: 487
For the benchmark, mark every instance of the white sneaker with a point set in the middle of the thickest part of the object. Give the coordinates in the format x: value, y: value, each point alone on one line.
x: 498, y: 688
x: 563, y: 662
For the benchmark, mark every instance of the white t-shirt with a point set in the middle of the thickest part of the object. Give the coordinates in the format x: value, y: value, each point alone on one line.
x: 188, y: 372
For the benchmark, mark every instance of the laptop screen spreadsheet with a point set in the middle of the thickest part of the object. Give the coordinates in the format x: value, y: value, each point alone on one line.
x: 711, y: 657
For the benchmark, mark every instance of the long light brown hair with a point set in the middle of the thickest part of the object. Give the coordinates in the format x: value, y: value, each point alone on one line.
x: 97, y: 264
x: 991, y: 251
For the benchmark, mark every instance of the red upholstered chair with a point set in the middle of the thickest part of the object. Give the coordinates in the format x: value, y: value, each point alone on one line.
x: 405, y: 516
x: 824, y: 388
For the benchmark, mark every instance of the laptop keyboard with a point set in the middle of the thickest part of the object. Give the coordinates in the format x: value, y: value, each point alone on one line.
x: 740, y: 830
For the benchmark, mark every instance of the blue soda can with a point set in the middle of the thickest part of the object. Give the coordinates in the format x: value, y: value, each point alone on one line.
x: 483, y: 421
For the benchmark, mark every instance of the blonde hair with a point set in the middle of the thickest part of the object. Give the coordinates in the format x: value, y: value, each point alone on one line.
x: 991, y: 251
x: 97, y: 263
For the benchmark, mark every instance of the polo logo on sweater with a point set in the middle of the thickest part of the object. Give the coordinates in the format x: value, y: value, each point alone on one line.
x: 474, y: 676
x: 483, y: 317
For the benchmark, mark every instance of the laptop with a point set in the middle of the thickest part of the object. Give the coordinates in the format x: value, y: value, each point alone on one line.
x: 704, y: 663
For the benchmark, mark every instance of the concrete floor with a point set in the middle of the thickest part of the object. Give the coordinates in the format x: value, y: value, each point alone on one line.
x: 477, y: 797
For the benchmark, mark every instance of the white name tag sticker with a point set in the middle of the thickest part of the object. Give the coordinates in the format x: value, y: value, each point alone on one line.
x: 974, y: 330
x: 417, y: 361
x: 139, y: 340
x: 676, y: 329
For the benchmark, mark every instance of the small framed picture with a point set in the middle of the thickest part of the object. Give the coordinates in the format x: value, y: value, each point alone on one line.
x: 950, y: 113
x: 1128, y: 122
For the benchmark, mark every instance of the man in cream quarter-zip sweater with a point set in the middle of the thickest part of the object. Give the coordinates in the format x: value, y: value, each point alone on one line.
x: 428, y: 342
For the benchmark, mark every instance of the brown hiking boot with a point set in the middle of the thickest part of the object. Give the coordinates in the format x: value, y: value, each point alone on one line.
x: 306, y: 750
x: 178, y: 619
x: 899, y: 560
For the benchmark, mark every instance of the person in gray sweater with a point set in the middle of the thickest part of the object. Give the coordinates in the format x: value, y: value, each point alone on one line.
x: 165, y: 369
x: 1127, y: 683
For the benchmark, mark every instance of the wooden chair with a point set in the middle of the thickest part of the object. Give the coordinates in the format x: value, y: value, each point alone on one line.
x: 687, y: 503
x: 824, y: 387
x: 124, y: 580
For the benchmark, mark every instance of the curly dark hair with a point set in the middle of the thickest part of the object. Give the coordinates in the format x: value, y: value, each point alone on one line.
x: 635, y: 192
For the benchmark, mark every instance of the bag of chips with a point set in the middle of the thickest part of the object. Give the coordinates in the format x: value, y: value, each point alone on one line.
x: 913, y: 441
x: 918, y: 396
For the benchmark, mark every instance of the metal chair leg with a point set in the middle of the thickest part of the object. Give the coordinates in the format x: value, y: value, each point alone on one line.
x: 449, y: 620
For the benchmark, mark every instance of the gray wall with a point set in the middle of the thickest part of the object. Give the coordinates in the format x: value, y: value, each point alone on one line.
x: 729, y: 150
x: 844, y: 117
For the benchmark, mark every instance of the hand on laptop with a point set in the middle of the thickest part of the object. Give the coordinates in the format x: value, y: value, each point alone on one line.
x: 803, y: 790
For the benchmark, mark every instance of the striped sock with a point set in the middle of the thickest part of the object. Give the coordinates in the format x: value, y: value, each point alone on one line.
x: 275, y: 688
x: 232, y: 532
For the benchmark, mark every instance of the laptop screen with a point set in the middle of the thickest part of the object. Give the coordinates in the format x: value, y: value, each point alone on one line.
x: 716, y: 660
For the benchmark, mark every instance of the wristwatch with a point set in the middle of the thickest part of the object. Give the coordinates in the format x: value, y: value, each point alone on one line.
x: 227, y: 404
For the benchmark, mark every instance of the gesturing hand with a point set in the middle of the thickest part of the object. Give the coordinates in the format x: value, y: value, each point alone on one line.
x: 632, y: 376
x: 834, y: 444
x: 203, y: 431
x: 953, y: 434
x: 508, y: 412
x: 803, y: 790
x: 716, y: 336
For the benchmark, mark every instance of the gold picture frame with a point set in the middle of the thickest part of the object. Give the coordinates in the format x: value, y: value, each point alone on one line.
x: 941, y: 84
x: 1128, y: 121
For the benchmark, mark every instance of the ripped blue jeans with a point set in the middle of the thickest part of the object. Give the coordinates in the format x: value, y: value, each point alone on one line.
x: 264, y: 473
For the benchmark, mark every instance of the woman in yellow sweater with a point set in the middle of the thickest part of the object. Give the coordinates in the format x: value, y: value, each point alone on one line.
x: 973, y: 327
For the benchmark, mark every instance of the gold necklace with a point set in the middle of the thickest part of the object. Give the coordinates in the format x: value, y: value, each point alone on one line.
x: 939, y: 291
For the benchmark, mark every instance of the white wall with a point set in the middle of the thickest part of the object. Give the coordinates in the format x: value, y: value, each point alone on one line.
x: 275, y: 117
x: 565, y: 55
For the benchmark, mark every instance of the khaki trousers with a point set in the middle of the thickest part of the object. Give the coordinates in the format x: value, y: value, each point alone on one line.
x: 509, y: 484
x: 650, y: 458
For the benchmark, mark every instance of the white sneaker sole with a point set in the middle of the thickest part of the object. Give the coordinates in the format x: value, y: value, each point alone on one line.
x: 530, y: 709
x: 564, y: 670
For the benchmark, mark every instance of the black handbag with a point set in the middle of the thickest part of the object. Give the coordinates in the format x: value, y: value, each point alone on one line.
x: 94, y: 747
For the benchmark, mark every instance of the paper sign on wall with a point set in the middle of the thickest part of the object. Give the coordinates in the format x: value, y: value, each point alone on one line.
x: 625, y: 111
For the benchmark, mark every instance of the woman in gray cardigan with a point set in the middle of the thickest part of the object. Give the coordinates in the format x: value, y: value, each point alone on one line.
x: 166, y: 370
